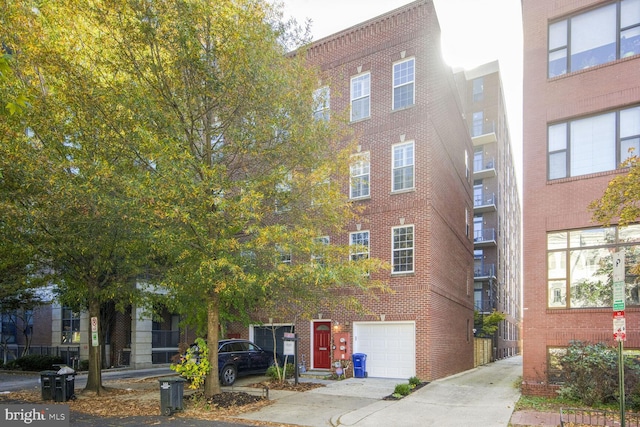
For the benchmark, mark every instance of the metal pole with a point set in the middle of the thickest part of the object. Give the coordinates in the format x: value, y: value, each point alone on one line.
x: 621, y: 380
x: 296, y: 368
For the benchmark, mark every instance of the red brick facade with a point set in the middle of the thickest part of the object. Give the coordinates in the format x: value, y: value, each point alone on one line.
x: 562, y: 204
x: 437, y: 297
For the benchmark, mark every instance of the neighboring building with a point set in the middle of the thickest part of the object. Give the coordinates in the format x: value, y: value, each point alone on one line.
x: 581, y: 117
x: 496, y: 206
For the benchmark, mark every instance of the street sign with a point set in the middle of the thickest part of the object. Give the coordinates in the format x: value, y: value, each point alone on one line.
x: 619, y: 291
x: 619, y: 326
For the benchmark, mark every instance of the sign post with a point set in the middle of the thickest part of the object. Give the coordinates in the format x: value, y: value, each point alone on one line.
x: 619, y: 325
x: 94, y: 332
x: 291, y: 349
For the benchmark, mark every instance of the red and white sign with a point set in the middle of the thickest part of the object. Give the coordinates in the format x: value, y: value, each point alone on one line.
x: 619, y: 326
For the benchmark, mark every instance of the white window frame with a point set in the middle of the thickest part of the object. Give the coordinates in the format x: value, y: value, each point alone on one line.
x: 397, y: 247
x: 357, y: 238
x: 363, y: 93
x: 360, y: 176
x: 322, y: 103
x: 400, y: 81
x: 404, y: 162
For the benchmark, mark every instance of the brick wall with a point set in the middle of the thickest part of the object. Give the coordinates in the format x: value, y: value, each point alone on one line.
x: 562, y: 204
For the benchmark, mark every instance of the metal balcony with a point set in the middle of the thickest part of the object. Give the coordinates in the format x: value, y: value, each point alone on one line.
x: 484, y: 238
x: 484, y: 168
x: 484, y: 203
x: 485, y: 271
x: 484, y: 135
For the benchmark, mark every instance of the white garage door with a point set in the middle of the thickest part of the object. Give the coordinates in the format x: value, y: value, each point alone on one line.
x: 389, y: 346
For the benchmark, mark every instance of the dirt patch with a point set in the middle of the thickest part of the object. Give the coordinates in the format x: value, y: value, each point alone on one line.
x: 277, y: 385
x: 142, y: 398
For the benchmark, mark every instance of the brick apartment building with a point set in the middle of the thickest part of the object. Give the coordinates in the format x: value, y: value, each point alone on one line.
x: 496, y: 206
x: 413, y: 173
x: 581, y: 116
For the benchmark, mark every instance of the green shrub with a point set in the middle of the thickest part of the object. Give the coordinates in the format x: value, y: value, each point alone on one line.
x: 84, y: 365
x: 34, y: 362
x: 194, y: 367
x: 414, y: 381
x: 275, y: 372
x: 402, y: 389
x: 590, y: 375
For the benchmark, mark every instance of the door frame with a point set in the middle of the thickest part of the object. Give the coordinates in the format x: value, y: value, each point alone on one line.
x: 313, y: 344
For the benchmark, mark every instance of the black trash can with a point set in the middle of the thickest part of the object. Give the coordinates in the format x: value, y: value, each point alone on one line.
x: 57, y: 387
x: 171, y: 391
x: 359, y: 365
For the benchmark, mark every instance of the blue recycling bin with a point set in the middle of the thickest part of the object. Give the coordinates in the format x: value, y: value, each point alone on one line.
x: 359, y: 365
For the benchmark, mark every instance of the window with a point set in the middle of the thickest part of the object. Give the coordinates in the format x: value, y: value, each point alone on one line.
x: 70, y: 326
x: 593, y: 144
x: 360, y: 176
x: 478, y: 124
x: 360, y: 97
x: 579, y: 266
x: 594, y: 37
x: 359, y: 245
x: 478, y: 89
x: 403, y: 84
x: 8, y: 328
x: 403, y: 162
x: 318, y: 254
x: 284, y: 255
x: 402, y: 249
x: 321, y: 102
x: 283, y: 193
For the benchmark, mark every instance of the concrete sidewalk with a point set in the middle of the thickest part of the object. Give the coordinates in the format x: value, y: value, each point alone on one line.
x: 484, y: 396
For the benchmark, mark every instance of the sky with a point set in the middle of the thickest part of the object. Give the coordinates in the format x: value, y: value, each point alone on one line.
x: 474, y: 32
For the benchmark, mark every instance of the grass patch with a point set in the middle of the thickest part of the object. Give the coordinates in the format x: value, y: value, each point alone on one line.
x: 547, y: 404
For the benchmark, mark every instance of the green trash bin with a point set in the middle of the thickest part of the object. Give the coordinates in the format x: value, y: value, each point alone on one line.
x: 47, y: 384
x: 57, y: 387
x: 171, y: 392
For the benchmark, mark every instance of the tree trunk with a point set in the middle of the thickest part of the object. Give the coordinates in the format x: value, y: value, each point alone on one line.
x: 94, y: 378
x: 212, y: 382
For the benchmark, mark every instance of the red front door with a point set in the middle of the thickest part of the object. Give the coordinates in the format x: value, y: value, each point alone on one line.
x: 322, y: 345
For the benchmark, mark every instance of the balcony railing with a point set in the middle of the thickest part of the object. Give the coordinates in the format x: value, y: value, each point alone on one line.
x: 487, y: 235
x: 484, y: 168
x: 478, y: 129
x: 487, y: 270
x: 484, y: 200
x: 164, y: 339
x: 484, y: 306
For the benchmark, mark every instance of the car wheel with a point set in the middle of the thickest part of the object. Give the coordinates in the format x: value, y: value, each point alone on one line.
x: 228, y: 375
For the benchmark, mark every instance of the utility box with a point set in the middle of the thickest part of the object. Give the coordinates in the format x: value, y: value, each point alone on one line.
x: 171, y: 392
x: 360, y: 365
x: 341, y: 346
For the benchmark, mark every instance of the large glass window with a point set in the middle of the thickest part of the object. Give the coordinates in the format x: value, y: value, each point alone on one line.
x: 70, y: 326
x: 322, y: 105
x: 403, y: 163
x: 403, y: 244
x: 403, y: 83
x: 359, y: 245
x: 360, y: 97
x: 594, y: 37
x: 478, y: 124
x: 593, y: 144
x: 478, y: 89
x: 360, y: 176
x: 579, y: 266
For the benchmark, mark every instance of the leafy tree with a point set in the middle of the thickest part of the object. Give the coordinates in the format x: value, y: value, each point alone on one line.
x: 621, y: 199
x: 66, y: 167
x: 179, y: 135
x: 487, y: 325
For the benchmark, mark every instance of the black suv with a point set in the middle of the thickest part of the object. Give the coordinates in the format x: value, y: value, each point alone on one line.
x: 238, y: 357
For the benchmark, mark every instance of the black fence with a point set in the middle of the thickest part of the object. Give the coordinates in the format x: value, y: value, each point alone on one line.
x: 70, y: 354
x: 595, y: 417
